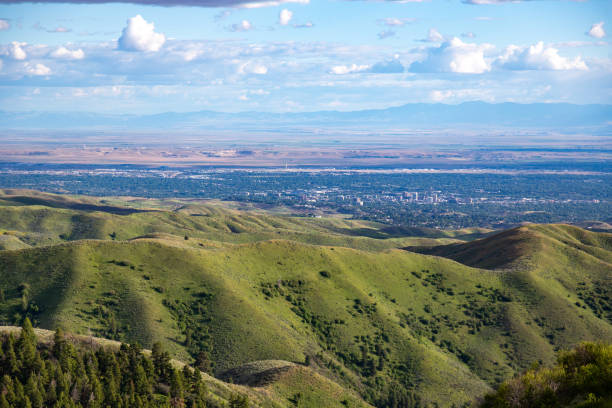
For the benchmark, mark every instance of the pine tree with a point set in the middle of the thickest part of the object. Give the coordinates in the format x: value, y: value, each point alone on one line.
x: 239, y: 401
x: 176, y: 384
x: 203, y: 362
x: 3, y: 402
x: 11, y: 363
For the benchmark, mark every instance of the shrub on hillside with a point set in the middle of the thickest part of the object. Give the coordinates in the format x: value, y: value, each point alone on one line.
x: 582, y: 377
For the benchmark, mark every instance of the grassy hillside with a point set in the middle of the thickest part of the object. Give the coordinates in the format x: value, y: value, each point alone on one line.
x: 389, y: 324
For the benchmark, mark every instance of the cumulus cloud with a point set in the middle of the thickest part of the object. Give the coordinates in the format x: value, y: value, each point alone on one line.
x: 537, y: 57
x: 284, y: 17
x: 16, y: 52
x: 252, y: 68
x: 392, y: 66
x: 468, y: 34
x: 597, y: 30
x: 37, y: 69
x: 139, y: 35
x: 433, y: 35
x: 4, y: 24
x: 65, y: 53
x: 454, y: 56
x: 244, y: 25
x: 348, y: 69
x: 171, y: 3
x: 386, y: 34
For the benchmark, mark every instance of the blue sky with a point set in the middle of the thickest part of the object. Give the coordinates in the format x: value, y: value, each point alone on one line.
x: 301, y: 55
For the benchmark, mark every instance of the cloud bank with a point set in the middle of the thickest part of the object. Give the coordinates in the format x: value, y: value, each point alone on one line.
x: 172, y: 3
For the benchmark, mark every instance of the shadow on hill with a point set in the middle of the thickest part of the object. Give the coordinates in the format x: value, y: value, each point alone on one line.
x: 494, y: 252
x: 257, y: 373
x: 72, y: 205
x: 511, y: 247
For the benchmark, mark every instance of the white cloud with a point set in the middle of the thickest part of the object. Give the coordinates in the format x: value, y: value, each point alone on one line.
x: 392, y: 66
x: 252, y: 68
x: 480, y: 2
x: 244, y: 25
x: 285, y: 17
x: 597, y: 30
x: 455, y: 56
x: 386, y: 34
x: 348, y: 69
x: 271, y: 3
x: 468, y: 34
x: 38, y: 69
x: 397, y: 22
x: 4, y: 24
x: 139, y: 35
x: 537, y: 57
x: 434, y: 36
x: 16, y: 52
x: 307, y: 24
x: 65, y: 53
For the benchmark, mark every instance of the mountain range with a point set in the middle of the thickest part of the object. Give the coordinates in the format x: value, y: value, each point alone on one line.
x: 409, y: 116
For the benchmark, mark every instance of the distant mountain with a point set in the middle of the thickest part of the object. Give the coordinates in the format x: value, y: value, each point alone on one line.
x: 419, y: 115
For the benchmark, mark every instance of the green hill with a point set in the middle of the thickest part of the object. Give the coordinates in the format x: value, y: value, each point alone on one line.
x: 394, y: 326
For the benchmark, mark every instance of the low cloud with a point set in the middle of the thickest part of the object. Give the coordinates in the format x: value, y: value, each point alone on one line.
x: 37, y: 69
x: 244, y: 25
x: 386, y: 34
x: 65, y: 53
x: 393, y: 66
x: 139, y: 35
x: 348, y: 69
x: 597, y: 30
x: 433, y: 35
x: 16, y: 51
x: 537, y: 57
x: 252, y: 68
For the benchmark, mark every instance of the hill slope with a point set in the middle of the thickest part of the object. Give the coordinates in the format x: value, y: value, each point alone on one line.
x: 387, y: 323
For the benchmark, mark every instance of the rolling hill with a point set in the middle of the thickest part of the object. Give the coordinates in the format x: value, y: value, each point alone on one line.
x: 340, y: 303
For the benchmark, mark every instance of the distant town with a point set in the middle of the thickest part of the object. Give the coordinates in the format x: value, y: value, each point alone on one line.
x: 439, y: 198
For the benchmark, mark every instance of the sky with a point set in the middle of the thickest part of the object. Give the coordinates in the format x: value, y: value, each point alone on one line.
x: 152, y: 56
